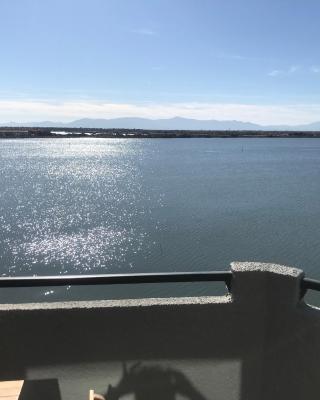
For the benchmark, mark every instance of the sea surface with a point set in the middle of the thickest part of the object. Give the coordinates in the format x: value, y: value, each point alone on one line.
x: 88, y: 206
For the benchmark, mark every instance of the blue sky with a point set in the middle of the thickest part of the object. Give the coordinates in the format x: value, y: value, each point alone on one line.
x: 256, y: 60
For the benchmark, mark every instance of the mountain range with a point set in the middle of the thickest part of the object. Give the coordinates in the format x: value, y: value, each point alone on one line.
x: 176, y: 123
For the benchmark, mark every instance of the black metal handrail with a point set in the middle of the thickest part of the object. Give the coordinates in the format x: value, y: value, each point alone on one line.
x: 100, y: 279
x: 312, y: 284
x: 158, y: 277
x: 307, y: 284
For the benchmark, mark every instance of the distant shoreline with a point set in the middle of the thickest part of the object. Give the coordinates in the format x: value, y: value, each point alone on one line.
x: 35, y: 132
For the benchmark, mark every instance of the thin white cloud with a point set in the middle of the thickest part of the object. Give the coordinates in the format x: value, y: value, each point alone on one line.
x: 232, y: 56
x: 291, y: 70
x: 275, y: 72
x: 158, y: 68
x: 144, y: 31
x: 315, y: 69
x: 241, y: 57
x: 29, y: 111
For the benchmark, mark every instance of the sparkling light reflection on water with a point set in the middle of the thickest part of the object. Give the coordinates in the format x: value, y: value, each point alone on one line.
x: 118, y: 205
x: 71, y: 206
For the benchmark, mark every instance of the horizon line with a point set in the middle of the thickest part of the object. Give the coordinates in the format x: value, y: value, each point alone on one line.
x: 154, y: 119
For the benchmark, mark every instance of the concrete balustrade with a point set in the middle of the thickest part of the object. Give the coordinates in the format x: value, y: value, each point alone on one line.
x: 259, y: 342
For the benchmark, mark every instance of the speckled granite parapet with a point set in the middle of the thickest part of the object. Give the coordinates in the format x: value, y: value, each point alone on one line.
x: 259, y: 340
x: 247, y: 266
x: 127, y: 303
x: 250, y: 281
x: 256, y: 283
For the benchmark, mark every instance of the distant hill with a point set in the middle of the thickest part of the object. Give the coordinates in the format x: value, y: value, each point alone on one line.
x: 315, y: 126
x: 176, y: 123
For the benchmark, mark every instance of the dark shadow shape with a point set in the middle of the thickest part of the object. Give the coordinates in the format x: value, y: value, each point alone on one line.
x: 47, y: 389
x: 153, y: 382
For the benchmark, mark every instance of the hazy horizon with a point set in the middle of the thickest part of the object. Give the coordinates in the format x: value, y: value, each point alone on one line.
x: 175, y: 123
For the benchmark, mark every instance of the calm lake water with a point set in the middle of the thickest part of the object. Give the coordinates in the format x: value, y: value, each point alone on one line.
x: 81, y: 206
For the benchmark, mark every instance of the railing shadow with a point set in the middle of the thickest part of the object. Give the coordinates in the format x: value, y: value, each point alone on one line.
x: 155, y: 382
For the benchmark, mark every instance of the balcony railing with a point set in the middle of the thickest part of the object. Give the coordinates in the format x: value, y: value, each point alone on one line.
x: 111, y: 279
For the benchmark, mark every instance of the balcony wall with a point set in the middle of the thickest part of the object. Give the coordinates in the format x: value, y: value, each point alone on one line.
x: 259, y: 342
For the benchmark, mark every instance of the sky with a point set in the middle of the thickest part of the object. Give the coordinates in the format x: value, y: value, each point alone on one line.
x: 248, y: 60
